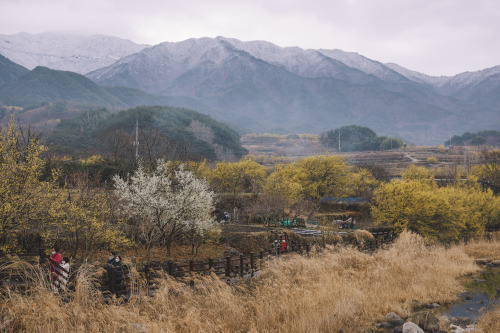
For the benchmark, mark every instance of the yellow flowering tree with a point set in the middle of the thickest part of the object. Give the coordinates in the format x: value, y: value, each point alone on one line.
x: 243, y: 176
x: 416, y: 203
x: 31, y: 208
x: 24, y: 199
x: 83, y: 218
x: 323, y: 176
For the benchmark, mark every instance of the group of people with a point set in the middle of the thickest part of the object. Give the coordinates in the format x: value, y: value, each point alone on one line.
x: 59, y: 270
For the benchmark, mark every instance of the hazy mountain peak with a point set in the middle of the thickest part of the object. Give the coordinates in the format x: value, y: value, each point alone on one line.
x: 62, y: 51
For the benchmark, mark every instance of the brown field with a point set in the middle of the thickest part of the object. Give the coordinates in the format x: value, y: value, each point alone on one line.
x: 339, y: 290
x: 394, y: 161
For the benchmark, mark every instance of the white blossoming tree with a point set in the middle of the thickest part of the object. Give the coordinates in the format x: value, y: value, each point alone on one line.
x: 166, y: 203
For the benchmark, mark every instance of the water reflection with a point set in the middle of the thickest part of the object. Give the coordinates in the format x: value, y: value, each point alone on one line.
x: 482, y: 295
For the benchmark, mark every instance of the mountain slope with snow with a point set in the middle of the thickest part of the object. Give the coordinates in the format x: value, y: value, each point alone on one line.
x: 69, y: 52
x: 264, y: 87
x: 294, y: 90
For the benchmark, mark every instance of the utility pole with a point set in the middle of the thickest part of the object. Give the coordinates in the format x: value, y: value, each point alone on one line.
x: 136, y: 143
x: 339, y: 140
x: 465, y: 155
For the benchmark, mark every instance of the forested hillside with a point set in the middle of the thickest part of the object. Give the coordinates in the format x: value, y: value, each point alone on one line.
x: 9, y: 70
x: 162, y: 131
x: 490, y: 138
x: 46, y: 85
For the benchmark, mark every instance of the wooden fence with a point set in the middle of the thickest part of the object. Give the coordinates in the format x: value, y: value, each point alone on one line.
x: 229, y: 268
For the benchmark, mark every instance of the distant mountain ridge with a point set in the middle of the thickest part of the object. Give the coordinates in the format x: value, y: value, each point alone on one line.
x: 45, y: 85
x: 264, y: 87
x: 296, y: 90
x: 10, y: 70
x: 68, y: 52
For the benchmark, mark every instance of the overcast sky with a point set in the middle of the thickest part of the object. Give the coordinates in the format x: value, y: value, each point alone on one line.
x: 435, y: 37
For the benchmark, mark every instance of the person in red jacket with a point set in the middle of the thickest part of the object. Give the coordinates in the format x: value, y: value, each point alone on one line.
x: 283, y: 244
x: 56, y: 259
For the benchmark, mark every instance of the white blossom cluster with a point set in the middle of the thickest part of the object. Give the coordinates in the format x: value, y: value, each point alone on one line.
x: 165, y: 203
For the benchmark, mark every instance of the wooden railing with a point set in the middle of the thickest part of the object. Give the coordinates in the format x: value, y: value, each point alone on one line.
x: 229, y: 268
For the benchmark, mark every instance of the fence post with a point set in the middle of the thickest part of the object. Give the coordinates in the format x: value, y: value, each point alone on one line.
x: 170, y: 268
x: 210, y: 263
x: 113, y: 281
x: 308, y: 248
x: 191, y: 265
x: 41, y: 254
x: 251, y: 263
x: 146, y: 273
x: 241, y: 265
x: 228, y: 266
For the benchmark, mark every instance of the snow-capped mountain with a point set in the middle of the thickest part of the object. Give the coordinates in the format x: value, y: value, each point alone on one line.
x: 292, y: 89
x: 264, y: 87
x: 448, y: 85
x: 76, y: 53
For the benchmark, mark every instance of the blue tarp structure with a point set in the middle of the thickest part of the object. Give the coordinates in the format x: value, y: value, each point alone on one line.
x: 343, y: 200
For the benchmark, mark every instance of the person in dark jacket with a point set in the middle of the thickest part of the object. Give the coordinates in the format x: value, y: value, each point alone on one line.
x: 118, y: 266
x: 109, y: 264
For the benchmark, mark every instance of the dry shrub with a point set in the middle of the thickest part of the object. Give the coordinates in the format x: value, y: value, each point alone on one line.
x: 484, y: 248
x: 358, y: 237
x: 246, y: 243
x: 489, y: 322
x: 362, y: 236
x: 341, y: 291
x: 331, y: 238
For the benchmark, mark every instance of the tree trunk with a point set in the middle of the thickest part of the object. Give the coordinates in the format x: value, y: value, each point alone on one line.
x: 77, y: 241
x: 169, y: 246
x: 149, y: 245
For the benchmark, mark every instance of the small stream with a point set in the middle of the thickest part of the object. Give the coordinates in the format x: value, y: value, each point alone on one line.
x: 482, y: 294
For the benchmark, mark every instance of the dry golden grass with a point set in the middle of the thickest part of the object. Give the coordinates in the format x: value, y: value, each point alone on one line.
x: 484, y: 248
x: 338, y: 291
x: 489, y: 322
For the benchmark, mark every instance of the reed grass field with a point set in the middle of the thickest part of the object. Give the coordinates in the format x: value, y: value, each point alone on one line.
x: 338, y: 290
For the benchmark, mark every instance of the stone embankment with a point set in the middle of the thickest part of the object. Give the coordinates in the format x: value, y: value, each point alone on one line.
x: 433, y: 318
x: 488, y: 262
x: 424, y: 320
